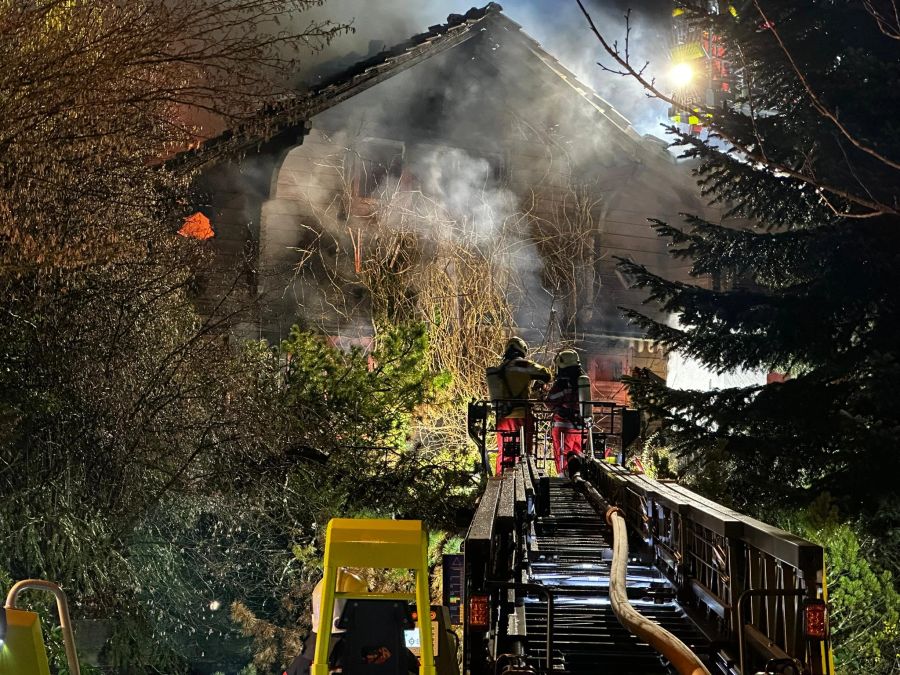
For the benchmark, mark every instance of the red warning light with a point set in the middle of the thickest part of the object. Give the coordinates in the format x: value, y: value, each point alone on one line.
x: 816, y: 620
x: 479, y: 614
x: 415, y: 616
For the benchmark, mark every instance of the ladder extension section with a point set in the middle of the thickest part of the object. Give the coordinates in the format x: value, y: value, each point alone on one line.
x: 733, y: 592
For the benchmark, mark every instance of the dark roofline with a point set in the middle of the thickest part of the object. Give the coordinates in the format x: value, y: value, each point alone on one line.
x: 284, y: 123
x: 434, y: 39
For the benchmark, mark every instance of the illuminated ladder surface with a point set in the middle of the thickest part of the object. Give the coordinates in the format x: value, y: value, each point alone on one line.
x: 572, y: 558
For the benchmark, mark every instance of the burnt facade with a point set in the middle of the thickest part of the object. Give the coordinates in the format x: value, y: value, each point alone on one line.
x: 468, y: 138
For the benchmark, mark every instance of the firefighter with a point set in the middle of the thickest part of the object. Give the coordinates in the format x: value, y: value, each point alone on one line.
x: 509, y: 384
x: 563, y: 399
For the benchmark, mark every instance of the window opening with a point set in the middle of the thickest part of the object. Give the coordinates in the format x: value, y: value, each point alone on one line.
x: 379, y: 167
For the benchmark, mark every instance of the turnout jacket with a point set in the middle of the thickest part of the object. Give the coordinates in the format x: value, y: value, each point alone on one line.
x: 563, y: 401
x: 518, y: 373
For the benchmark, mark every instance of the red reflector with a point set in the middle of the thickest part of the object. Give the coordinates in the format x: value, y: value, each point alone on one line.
x: 479, y: 614
x: 816, y: 620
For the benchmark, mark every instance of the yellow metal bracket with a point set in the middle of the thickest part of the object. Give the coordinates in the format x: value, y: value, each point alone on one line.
x: 375, y: 543
x: 22, y: 650
x: 406, y: 597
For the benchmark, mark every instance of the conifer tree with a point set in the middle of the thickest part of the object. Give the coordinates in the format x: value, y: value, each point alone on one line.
x: 809, y: 156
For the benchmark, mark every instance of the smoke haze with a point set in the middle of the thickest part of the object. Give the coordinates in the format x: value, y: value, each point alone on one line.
x: 558, y: 25
x: 491, y: 158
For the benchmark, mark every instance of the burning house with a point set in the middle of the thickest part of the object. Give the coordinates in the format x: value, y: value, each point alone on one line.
x: 464, y: 178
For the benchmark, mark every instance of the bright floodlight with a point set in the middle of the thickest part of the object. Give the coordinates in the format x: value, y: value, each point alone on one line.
x: 681, y: 74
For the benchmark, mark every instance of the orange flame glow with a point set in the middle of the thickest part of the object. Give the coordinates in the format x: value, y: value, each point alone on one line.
x: 197, y: 226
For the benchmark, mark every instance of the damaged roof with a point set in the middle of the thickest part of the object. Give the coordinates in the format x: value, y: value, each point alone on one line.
x: 283, y: 123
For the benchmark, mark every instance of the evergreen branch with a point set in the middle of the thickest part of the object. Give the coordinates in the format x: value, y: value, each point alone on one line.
x: 750, y: 329
x: 875, y: 207
x: 748, y: 73
x: 772, y: 259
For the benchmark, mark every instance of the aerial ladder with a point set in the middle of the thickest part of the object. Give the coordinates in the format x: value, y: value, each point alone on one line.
x: 604, y: 571
x: 609, y: 568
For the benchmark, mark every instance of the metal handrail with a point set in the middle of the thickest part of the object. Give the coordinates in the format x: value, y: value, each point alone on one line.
x: 537, y: 589
x: 606, y: 419
x: 761, y: 593
x: 62, y: 608
x: 715, y: 554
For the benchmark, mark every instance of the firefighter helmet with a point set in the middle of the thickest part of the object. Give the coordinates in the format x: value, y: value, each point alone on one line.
x: 346, y: 582
x: 518, y: 344
x: 566, y: 358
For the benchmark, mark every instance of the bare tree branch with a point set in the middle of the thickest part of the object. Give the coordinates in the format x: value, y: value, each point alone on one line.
x: 820, y: 107
x: 888, y: 25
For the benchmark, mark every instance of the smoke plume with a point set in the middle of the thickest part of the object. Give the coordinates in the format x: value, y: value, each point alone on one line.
x: 558, y: 25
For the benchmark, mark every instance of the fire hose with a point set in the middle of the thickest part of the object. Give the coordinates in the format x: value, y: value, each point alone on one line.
x: 673, y: 649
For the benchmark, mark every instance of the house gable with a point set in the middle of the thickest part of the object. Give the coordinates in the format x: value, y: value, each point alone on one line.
x: 479, y: 90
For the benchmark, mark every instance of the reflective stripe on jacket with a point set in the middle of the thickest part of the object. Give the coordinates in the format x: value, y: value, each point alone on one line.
x: 563, y: 401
